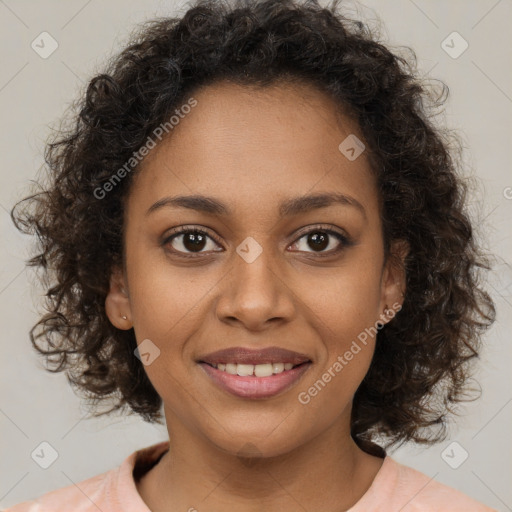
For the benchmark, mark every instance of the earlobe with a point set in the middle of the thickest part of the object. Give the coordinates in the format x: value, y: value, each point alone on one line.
x: 117, y: 302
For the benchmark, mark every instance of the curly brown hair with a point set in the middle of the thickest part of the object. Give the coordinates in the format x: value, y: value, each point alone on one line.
x: 420, y: 368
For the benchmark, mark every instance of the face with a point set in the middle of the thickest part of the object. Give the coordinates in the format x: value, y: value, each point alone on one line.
x: 270, y: 269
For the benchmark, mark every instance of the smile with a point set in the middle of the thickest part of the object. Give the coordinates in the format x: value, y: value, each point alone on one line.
x: 246, y: 380
x: 254, y: 373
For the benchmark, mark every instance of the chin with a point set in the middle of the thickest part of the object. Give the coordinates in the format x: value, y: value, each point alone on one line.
x: 272, y: 439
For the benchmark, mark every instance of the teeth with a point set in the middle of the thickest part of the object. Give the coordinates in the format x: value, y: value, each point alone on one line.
x: 257, y: 370
x: 231, y: 368
x: 263, y: 370
x: 244, y: 370
x: 277, y: 367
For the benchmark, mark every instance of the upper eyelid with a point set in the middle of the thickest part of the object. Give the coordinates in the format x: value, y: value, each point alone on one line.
x: 301, y: 233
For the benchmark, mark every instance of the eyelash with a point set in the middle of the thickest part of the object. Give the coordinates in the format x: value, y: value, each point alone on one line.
x: 343, y: 239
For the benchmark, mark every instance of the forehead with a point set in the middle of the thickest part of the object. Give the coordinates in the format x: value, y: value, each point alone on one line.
x: 251, y: 146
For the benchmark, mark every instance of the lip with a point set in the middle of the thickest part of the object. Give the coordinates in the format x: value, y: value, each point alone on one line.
x: 242, y: 355
x: 255, y: 387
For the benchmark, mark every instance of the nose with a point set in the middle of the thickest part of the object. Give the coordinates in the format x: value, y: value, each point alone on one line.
x: 256, y: 295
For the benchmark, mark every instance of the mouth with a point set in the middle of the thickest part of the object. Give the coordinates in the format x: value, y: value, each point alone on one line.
x: 254, y: 374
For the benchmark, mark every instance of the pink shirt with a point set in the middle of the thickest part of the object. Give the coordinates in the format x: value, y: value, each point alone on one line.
x: 395, y: 488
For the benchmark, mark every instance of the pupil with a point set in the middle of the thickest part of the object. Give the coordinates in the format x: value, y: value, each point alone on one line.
x: 193, y: 241
x: 319, y: 239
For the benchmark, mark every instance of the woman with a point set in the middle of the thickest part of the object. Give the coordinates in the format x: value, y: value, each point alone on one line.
x: 254, y: 226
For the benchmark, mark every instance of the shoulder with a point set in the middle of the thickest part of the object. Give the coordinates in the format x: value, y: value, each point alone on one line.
x: 84, y: 496
x: 111, y: 491
x: 423, y: 493
x: 400, y: 487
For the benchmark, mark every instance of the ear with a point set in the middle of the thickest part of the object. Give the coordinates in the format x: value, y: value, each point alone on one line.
x: 393, y: 281
x: 117, y: 302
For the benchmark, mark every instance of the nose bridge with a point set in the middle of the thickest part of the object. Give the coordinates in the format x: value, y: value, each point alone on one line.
x: 255, y: 293
x: 254, y: 270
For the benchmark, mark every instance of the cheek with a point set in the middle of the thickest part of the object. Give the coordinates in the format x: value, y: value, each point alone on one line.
x: 166, y: 301
x: 346, y: 299
x: 346, y: 316
x: 345, y: 304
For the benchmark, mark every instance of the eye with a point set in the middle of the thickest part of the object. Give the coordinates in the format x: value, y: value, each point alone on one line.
x: 188, y: 240
x: 320, y: 238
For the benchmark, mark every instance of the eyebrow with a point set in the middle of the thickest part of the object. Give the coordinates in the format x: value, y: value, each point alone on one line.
x: 287, y: 208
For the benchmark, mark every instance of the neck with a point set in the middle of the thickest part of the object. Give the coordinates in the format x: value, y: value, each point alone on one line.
x: 330, y: 472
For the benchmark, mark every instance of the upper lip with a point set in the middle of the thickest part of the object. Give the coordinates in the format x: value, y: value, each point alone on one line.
x: 242, y: 355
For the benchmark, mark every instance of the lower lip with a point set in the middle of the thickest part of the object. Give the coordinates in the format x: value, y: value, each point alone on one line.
x: 255, y: 387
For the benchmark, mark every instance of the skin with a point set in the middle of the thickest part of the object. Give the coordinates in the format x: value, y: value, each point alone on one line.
x: 251, y: 149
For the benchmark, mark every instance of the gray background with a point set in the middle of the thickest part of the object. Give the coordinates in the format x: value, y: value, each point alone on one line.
x: 37, y: 406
